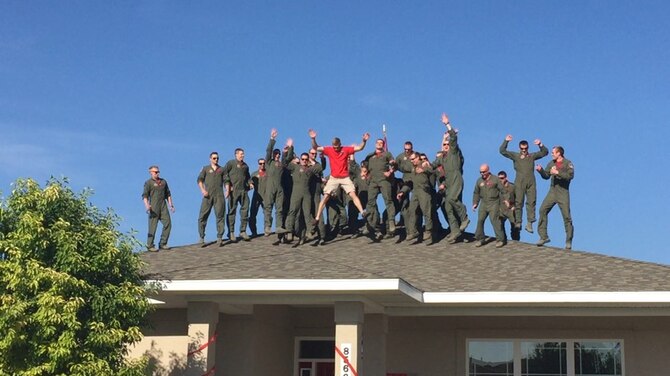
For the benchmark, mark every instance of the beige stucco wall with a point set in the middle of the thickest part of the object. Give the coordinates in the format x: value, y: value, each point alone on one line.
x: 263, y: 343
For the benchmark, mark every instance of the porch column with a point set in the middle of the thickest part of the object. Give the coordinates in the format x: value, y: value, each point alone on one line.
x: 202, y: 318
x: 348, y: 338
x: 374, y: 334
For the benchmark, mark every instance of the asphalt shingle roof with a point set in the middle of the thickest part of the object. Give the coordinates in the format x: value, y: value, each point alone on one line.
x: 441, y: 267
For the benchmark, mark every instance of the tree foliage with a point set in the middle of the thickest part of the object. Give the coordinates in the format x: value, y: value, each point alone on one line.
x: 71, y: 292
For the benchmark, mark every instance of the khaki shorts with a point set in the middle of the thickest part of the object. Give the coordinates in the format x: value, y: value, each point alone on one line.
x: 334, y: 183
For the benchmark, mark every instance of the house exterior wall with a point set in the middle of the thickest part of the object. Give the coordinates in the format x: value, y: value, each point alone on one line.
x: 263, y: 343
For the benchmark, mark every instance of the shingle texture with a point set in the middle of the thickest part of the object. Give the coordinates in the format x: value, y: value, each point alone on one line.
x: 441, y: 267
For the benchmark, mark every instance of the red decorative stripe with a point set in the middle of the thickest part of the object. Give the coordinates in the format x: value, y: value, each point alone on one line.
x: 346, y: 361
x: 203, y: 346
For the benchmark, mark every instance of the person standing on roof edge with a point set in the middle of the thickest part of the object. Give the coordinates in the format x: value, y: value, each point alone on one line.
x: 525, y: 186
x: 237, y: 186
x: 488, y: 190
x: 451, y: 160
x: 259, y: 182
x: 403, y: 163
x: 381, y: 166
x: 210, y: 181
x: 156, y: 193
x: 338, y: 157
x: 418, y: 181
x: 508, y: 213
x: 274, y: 192
x: 561, y: 171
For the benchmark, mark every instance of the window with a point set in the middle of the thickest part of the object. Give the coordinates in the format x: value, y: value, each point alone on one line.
x: 598, y: 358
x: 543, y: 359
x: 491, y: 358
x: 517, y: 357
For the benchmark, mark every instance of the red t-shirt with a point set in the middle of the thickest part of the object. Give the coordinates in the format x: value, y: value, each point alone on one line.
x: 339, y: 161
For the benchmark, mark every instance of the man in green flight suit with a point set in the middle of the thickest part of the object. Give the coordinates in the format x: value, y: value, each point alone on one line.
x: 237, y: 185
x: 488, y: 190
x: 451, y: 160
x: 274, y: 192
x: 259, y: 183
x: 210, y: 181
x: 156, y: 192
x: 561, y: 171
x: 381, y: 166
x: 525, y: 186
x: 301, y: 198
x: 403, y: 164
x: 508, y: 213
x: 418, y: 180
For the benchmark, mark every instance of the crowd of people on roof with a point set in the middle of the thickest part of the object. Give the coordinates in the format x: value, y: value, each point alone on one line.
x: 293, y: 193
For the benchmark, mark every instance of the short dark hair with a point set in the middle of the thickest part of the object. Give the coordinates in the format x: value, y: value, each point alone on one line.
x: 409, y: 143
x: 560, y: 149
x: 336, y: 141
x: 523, y: 143
x: 238, y: 150
x: 502, y: 172
x: 213, y: 153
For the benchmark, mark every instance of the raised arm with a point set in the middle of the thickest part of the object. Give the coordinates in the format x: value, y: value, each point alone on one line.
x: 361, y: 146
x: 503, y: 148
x: 543, y: 150
x: 312, y: 136
x: 271, y: 145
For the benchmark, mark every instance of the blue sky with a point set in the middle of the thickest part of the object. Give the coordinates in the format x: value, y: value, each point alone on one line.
x: 98, y: 91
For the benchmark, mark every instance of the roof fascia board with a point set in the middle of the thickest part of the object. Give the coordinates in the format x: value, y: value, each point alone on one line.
x: 291, y: 285
x: 535, y: 297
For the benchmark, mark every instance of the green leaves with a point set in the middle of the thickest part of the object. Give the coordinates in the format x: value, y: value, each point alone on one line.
x: 71, y: 293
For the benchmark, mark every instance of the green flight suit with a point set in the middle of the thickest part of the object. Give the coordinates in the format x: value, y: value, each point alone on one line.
x: 157, y: 193
x: 419, y: 183
x: 487, y: 196
x: 274, y: 193
x: 316, y: 191
x: 452, y: 165
x: 509, y: 214
x: 301, y: 199
x: 212, y: 179
x: 238, y: 178
x: 259, y: 179
x: 404, y: 164
x: 378, y: 164
x: 524, y: 182
x: 559, y: 193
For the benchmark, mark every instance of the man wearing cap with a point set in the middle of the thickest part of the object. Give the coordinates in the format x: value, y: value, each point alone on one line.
x: 525, y: 186
x: 210, y: 181
x: 156, y: 193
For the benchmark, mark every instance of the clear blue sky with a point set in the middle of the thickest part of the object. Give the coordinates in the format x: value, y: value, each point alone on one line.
x: 98, y: 91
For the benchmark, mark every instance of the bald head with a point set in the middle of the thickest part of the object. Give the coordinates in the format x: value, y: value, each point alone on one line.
x: 484, y: 170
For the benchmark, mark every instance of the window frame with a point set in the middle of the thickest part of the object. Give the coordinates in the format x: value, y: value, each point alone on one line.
x: 570, y: 350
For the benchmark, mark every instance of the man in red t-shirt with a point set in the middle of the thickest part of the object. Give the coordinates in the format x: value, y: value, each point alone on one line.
x: 338, y: 158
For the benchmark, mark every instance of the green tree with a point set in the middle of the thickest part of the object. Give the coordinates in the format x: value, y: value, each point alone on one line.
x: 71, y: 291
